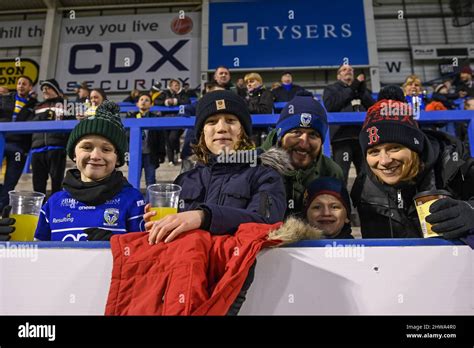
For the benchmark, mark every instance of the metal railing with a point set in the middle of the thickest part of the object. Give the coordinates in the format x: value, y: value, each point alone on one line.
x: 136, y: 125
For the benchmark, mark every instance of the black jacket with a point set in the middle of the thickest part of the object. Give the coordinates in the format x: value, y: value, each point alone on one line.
x: 260, y: 101
x: 156, y: 140
x: 50, y: 110
x: 182, y: 97
x: 389, y: 211
x: 280, y: 94
x: 338, y: 97
x: 7, y: 105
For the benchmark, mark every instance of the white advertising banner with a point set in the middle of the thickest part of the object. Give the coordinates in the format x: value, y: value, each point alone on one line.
x: 121, y: 53
x: 21, y: 33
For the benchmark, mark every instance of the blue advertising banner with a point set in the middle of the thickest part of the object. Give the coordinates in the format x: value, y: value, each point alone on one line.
x: 282, y: 33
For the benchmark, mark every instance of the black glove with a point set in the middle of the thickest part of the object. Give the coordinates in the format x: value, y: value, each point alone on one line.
x: 6, y: 223
x: 452, y: 218
x: 98, y: 234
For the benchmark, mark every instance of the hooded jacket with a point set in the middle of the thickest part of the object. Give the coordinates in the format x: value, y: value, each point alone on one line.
x: 387, y: 211
x: 234, y: 193
x: 297, y: 180
x: 181, y: 97
x: 195, y: 274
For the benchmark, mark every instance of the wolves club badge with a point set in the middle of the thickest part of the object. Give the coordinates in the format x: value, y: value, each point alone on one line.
x: 305, y: 119
x: 220, y: 104
x: 111, y: 216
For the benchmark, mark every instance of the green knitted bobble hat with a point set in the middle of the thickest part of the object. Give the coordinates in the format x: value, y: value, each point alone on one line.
x: 106, y: 123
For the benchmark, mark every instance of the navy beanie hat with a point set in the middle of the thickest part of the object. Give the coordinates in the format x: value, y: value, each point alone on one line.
x: 303, y: 111
x: 330, y: 186
x: 222, y: 101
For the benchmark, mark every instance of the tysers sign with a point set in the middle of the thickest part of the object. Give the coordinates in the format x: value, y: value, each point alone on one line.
x: 287, y: 34
x: 105, y: 51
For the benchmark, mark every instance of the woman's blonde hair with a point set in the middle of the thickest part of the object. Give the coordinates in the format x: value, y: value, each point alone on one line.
x: 411, y: 79
x: 411, y: 168
x: 201, y: 153
x: 253, y: 76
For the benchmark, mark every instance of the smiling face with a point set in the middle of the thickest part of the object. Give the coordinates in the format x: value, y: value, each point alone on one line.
x: 96, y: 98
x: 222, y: 132
x: 391, y: 162
x: 23, y: 87
x: 327, y: 213
x: 95, y: 158
x: 303, y: 145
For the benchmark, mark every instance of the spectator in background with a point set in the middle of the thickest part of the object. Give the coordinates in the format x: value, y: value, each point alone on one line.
x: 402, y: 161
x: 4, y: 90
x: 173, y: 96
x: 414, y: 94
x: 133, y: 97
x: 259, y: 101
x: 327, y: 206
x: 155, y: 92
x: 441, y: 95
x: 301, y: 131
x: 16, y: 107
x: 104, y: 201
x: 241, y: 88
x: 191, y: 93
x: 465, y: 87
x: 222, y: 78
x: 469, y: 104
x: 275, y: 85
x: 153, y: 141
x: 97, y: 97
x: 287, y: 90
x: 347, y: 94
x: 83, y: 92
x: 49, y: 149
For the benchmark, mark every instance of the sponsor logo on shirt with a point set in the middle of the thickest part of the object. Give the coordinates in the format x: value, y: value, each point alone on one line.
x: 140, y: 203
x: 67, y: 218
x: 115, y: 201
x: 111, y: 216
x: 86, y: 207
x: 68, y: 202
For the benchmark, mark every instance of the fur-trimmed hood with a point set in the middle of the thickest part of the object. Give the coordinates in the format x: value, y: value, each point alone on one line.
x: 277, y: 159
x: 294, y: 230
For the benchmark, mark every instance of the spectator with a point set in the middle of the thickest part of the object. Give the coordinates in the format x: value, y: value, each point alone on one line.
x: 97, y: 201
x: 155, y: 92
x: 97, y: 97
x: 275, y: 85
x: 259, y: 100
x: 222, y: 78
x: 153, y: 141
x: 190, y: 135
x: 403, y: 160
x: 347, y: 95
x: 83, y: 92
x: 190, y: 93
x: 287, y: 90
x: 173, y: 96
x: 132, y: 97
x: 242, y: 88
x: 49, y: 149
x: 441, y: 94
x: 300, y: 131
x: 469, y: 104
x: 238, y: 192
x: 16, y: 107
x: 465, y: 87
x: 414, y: 95
x: 327, y: 206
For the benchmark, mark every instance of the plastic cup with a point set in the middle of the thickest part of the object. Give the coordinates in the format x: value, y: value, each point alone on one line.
x: 423, y: 201
x: 26, y: 207
x: 164, y: 199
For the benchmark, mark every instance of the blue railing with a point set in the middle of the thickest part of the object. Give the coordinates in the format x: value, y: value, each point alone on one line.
x: 136, y: 126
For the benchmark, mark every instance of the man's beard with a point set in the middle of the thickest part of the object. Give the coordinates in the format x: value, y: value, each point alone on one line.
x: 311, y: 153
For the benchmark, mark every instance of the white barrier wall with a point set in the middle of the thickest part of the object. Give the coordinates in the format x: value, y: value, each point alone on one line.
x: 308, y: 281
